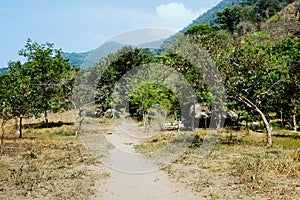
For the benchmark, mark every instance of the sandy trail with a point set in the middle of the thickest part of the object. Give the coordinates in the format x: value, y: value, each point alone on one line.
x: 132, y: 177
x: 156, y: 185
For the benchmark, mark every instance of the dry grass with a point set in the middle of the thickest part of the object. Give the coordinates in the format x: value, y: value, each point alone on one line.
x: 239, y: 166
x: 48, y: 163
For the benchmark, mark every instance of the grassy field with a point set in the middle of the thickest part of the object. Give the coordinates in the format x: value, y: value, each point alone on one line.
x: 239, y: 166
x: 48, y: 163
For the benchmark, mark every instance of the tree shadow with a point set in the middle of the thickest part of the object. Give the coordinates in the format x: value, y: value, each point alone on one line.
x: 297, y: 137
x: 41, y: 125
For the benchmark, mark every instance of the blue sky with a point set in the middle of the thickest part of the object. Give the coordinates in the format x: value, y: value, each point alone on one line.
x: 82, y: 25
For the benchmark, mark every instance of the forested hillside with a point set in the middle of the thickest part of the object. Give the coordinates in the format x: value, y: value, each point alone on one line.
x: 92, y: 57
x: 210, y: 16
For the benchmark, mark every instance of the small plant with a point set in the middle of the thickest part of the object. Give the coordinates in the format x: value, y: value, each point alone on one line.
x: 202, y: 184
x: 30, y: 155
x: 64, y: 133
x: 77, y: 174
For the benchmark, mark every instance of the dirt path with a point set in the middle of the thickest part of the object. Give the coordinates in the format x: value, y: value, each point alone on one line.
x: 131, y: 175
x: 156, y: 185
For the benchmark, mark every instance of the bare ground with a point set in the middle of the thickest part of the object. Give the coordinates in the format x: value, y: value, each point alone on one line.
x: 132, y: 176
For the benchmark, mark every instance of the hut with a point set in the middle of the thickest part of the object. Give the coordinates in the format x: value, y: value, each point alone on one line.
x: 203, y: 117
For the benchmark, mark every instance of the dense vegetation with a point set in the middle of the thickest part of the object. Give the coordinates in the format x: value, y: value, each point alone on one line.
x: 249, y: 14
x: 231, y: 12
x: 210, y: 16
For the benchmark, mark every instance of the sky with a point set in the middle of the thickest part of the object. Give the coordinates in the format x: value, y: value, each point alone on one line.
x: 83, y: 25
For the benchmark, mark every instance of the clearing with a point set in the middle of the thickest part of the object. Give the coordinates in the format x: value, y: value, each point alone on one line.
x: 103, y: 163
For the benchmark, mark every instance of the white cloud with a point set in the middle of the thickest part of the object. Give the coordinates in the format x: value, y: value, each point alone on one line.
x: 175, y: 15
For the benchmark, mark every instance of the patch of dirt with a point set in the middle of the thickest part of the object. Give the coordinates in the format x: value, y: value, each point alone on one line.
x: 132, y: 176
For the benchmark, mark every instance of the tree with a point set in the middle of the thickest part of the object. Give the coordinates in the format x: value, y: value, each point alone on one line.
x: 5, y: 108
x: 49, y: 75
x: 249, y: 78
x: 199, y: 30
x: 243, y: 64
x: 287, y: 55
x: 115, y: 66
x: 229, y: 18
x: 147, y: 87
x: 41, y: 84
x: 22, y: 98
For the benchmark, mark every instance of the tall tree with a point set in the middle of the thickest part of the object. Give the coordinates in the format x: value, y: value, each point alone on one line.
x: 5, y: 108
x: 229, y: 18
x: 118, y: 64
x: 243, y: 64
x: 287, y: 55
x: 22, y: 98
x: 49, y: 74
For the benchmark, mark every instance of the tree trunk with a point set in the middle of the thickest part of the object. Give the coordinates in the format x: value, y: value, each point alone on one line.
x: 193, y: 116
x: 81, y: 119
x: 267, y: 127
x: 20, y: 127
x: 252, y: 106
x: 295, y: 123
x: 46, y: 118
x: 247, y: 121
x: 2, y: 135
x: 281, y: 119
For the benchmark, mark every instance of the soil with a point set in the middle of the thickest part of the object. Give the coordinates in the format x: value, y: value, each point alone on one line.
x: 132, y: 176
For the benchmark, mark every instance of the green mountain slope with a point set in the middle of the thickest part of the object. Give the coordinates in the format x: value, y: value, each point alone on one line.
x: 210, y: 16
x: 92, y: 57
x: 76, y: 58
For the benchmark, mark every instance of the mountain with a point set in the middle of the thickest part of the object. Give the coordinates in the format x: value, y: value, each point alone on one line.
x: 89, y: 58
x: 152, y: 45
x: 92, y: 57
x: 210, y: 16
x: 253, y: 8
x: 75, y: 58
x: 3, y: 70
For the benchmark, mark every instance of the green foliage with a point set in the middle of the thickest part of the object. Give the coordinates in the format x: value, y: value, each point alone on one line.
x: 229, y: 18
x: 199, y: 29
x: 5, y: 106
x: 254, y: 11
x: 148, y: 95
x: 287, y: 55
x: 261, y: 73
x: 50, y: 75
x: 117, y: 65
x: 43, y: 83
x: 22, y: 91
x: 210, y: 16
